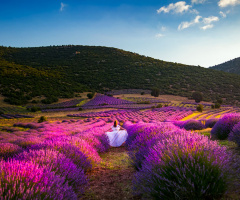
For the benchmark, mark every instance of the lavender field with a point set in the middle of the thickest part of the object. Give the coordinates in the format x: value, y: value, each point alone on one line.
x: 172, y: 152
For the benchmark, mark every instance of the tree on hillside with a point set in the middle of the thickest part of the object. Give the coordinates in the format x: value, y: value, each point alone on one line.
x: 90, y: 95
x: 155, y: 92
x: 197, y: 96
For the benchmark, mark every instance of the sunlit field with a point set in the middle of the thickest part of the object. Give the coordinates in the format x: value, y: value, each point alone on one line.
x: 61, y: 151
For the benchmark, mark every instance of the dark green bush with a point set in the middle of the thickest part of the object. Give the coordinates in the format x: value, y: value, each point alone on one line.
x: 159, y: 106
x: 200, y: 108
x: 80, y: 109
x: 90, y: 95
x: 34, y: 101
x: 42, y: 119
x: 35, y: 109
x: 142, y: 93
x: 155, y: 92
x: 50, y: 100
x: 220, y: 101
x: 217, y: 105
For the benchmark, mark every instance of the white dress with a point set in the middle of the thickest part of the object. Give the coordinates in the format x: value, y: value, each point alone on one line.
x: 117, y: 137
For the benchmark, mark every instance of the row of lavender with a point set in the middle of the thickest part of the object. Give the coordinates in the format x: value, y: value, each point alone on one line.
x: 173, y: 163
x: 145, y: 99
x: 14, y: 116
x: 50, y: 160
x: 157, y: 114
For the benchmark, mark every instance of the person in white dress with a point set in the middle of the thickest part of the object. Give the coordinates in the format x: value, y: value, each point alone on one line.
x: 117, y: 136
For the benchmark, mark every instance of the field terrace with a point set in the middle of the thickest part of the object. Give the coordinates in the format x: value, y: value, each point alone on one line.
x: 133, y: 115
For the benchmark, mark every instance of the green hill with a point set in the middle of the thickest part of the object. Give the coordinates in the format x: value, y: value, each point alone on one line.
x: 231, y: 66
x: 59, y: 71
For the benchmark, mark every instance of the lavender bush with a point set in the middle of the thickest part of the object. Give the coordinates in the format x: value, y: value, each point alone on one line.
x: 224, y: 126
x: 8, y: 150
x: 193, y: 125
x: 58, y: 163
x: 185, y: 166
x: 210, y: 123
x: 70, y: 151
x: 235, y: 134
x: 27, y: 180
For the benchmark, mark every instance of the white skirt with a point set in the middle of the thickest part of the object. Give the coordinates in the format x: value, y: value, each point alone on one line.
x: 117, y: 138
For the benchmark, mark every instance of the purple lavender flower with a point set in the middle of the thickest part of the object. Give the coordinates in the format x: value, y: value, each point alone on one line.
x: 224, y: 126
x: 7, y: 150
x: 27, y: 180
x: 70, y: 151
x: 235, y: 134
x: 58, y: 163
x: 193, y: 125
x: 210, y: 123
x: 184, y: 166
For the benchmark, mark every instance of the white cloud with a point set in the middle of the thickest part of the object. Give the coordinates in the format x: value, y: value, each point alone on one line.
x: 163, y: 28
x: 224, y: 15
x: 225, y: 3
x: 159, y: 35
x: 178, y: 7
x: 207, y: 27
x: 209, y: 20
x: 62, y: 6
x: 198, y: 1
x: 185, y: 25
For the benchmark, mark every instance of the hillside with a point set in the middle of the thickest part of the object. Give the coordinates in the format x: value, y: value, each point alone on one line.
x: 60, y: 71
x: 231, y: 66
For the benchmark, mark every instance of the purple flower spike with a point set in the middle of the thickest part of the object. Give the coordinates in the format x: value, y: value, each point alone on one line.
x: 27, y: 180
x: 224, y: 126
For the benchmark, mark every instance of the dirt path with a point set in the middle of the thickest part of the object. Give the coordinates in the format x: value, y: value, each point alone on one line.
x: 112, y: 179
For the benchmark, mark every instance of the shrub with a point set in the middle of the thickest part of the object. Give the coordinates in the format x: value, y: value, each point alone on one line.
x: 224, y: 126
x: 200, y: 108
x: 210, y: 123
x: 42, y: 119
x: 35, y: 109
x: 220, y: 101
x: 217, y: 105
x: 50, y: 100
x: 212, y: 106
x: 197, y: 96
x: 80, y: 109
x: 235, y: 134
x: 159, y: 106
x: 90, y: 95
x: 184, y: 166
x: 1, y: 112
x: 34, y: 101
x: 155, y: 92
x: 142, y: 93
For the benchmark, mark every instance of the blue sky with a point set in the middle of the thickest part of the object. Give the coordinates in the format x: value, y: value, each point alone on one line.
x: 194, y: 32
